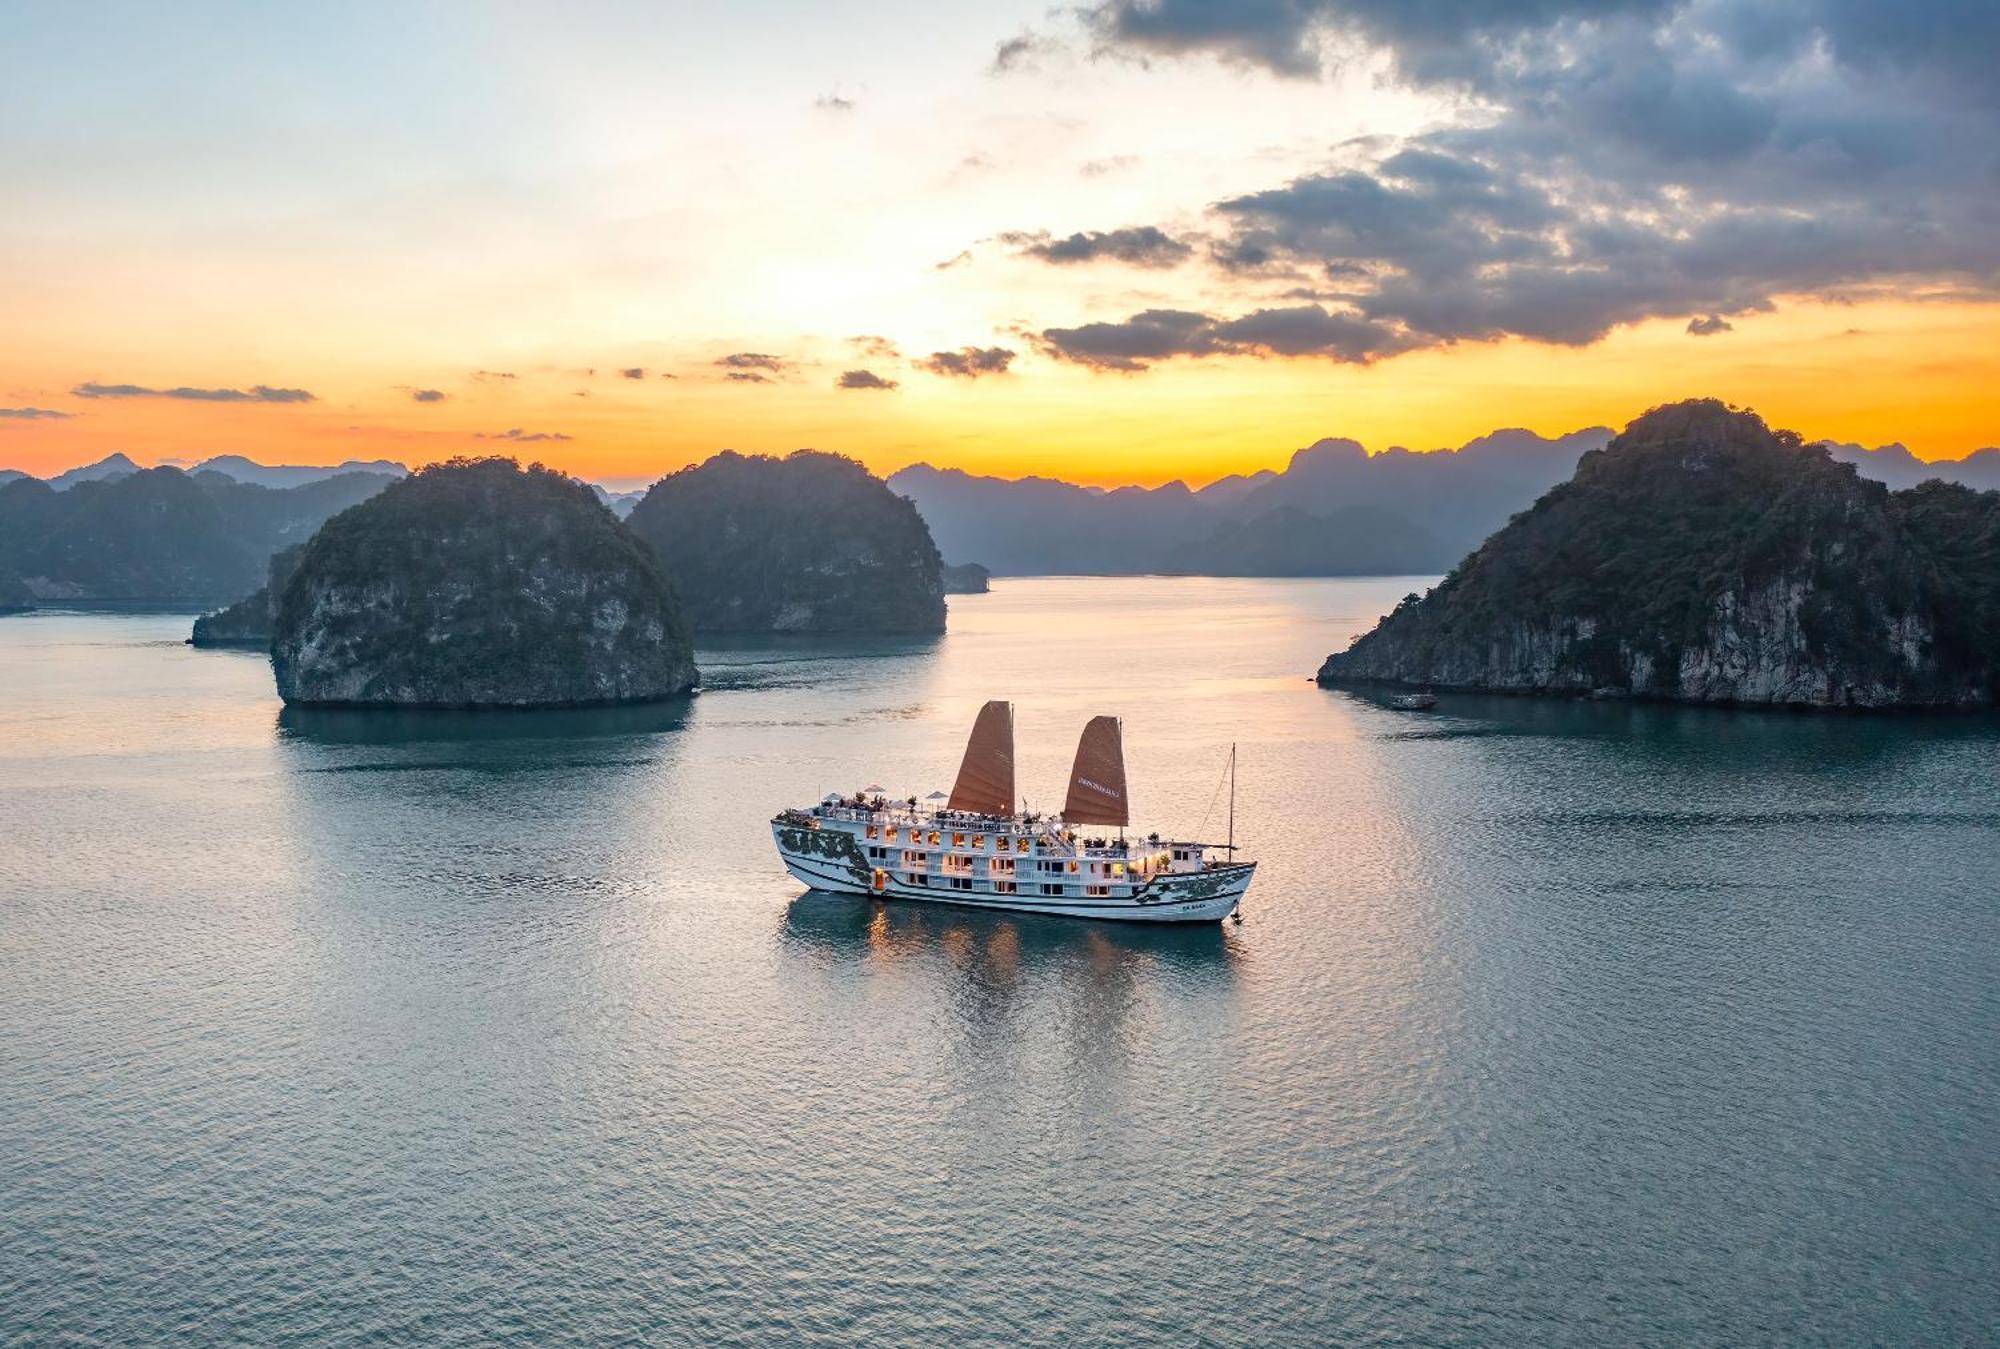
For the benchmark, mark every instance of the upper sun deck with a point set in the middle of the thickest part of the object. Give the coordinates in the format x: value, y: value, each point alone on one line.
x: 897, y: 821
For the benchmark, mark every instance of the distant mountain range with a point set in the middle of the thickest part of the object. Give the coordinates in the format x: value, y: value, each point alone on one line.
x: 1334, y: 510
x: 159, y: 534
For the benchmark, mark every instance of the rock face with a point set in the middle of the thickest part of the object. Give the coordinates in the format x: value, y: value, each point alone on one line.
x: 966, y: 578
x: 251, y: 620
x: 479, y: 584
x: 15, y: 597
x: 1702, y: 557
x: 809, y: 543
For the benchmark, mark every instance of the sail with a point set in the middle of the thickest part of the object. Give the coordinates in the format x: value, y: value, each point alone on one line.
x: 985, y: 783
x: 1097, y: 782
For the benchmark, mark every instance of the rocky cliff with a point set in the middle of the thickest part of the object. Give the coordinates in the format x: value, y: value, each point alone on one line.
x: 809, y: 543
x: 479, y: 584
x: 1702, y: 557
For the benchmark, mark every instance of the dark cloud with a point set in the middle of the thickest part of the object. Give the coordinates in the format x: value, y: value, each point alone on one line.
x: 833, y: 103
x: 1631, y: 159
x: 968, y: 362
x: 869, y: 344
x: 1710, y: 325
x: 260, y: 393
x: 863, y: 379
x: 494, y: 374
x: 35, y: 415
x: 962, y: 256
x: 428, y: 395
x: 754, y: 360
x: 1159, y: 334
x: 1296, y: 37
x: 515, y: 433
x: 747, y: 377
x: 1135, y: 245
x: 633, y: 372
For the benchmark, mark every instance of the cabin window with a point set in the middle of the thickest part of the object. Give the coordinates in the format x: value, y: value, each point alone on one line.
x: 958, y: 840
x: 889, y: 835
x: 878, y: 851
x: 1003, y: 887
x: 960, y: 883
x: 1072, y: 868
x: 1097, y: 889
x: 934, y: 836
x: 917, y: 878
x: 1021, y: 845
x: 871, y: 831
x: 1048, y: 889
x: 979, y: 840
x: 1180, y: 854
x: 1118, y: 868
x: 1001, y: 866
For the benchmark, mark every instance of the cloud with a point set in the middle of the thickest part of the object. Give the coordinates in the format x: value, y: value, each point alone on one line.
x: 963, y: 255
x: 881, y: 348
x: 494, y: 374
x: 863, y: 379
x: 754, y: 360
x: 35, y: 415
x: 428, y: 395
x: 633, y: 372
x: 1710, y: 326
x: 833, y: 103
x: 1160, y: 334
x: 968, y: 362
x: 1098, y: 168
x: 747, y: 377
x: 260, y: 393
x: 1024, y: 53
x: 1617, y: 160
x: 515, y: 433
x: 1135, y: 245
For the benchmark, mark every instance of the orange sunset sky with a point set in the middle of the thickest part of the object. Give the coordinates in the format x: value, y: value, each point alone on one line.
x: 1128, y: 243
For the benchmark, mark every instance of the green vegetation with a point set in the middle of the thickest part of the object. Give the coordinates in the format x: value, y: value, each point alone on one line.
x: 1702, y: 555
x: 809, y: 543
x: 477, y: 583
x: 160, y: 534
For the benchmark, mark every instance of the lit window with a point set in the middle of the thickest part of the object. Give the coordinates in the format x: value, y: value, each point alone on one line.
x: 889, y: 834
x: 934, y: 836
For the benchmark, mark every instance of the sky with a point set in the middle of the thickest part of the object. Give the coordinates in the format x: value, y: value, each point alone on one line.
x: 1121, y: 241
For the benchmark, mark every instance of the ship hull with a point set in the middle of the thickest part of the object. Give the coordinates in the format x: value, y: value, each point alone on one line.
x: 1207, y: 896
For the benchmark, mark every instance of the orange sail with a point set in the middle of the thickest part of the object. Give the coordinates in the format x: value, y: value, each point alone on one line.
x: 1097, y: 782
x: 985, y: 783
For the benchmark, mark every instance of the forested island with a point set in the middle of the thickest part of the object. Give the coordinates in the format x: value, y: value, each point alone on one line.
x: 811, y: 542
x: 966, y: 578
x: 1703, y: 557
x: 478, y: 583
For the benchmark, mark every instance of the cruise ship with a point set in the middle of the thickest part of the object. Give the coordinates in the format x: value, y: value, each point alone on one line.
x: 977, y: 849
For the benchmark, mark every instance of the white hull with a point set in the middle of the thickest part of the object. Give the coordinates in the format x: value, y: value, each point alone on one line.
x: 1206, y: 896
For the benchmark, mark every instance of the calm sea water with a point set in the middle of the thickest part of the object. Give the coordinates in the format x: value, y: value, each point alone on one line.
x: 1548, y: 1023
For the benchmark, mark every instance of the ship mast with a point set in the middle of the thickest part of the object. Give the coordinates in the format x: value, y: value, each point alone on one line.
x: 1232, y: 797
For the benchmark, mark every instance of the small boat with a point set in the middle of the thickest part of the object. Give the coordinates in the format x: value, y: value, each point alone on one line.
x: 1413, y: 702
x: 976, y: 849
